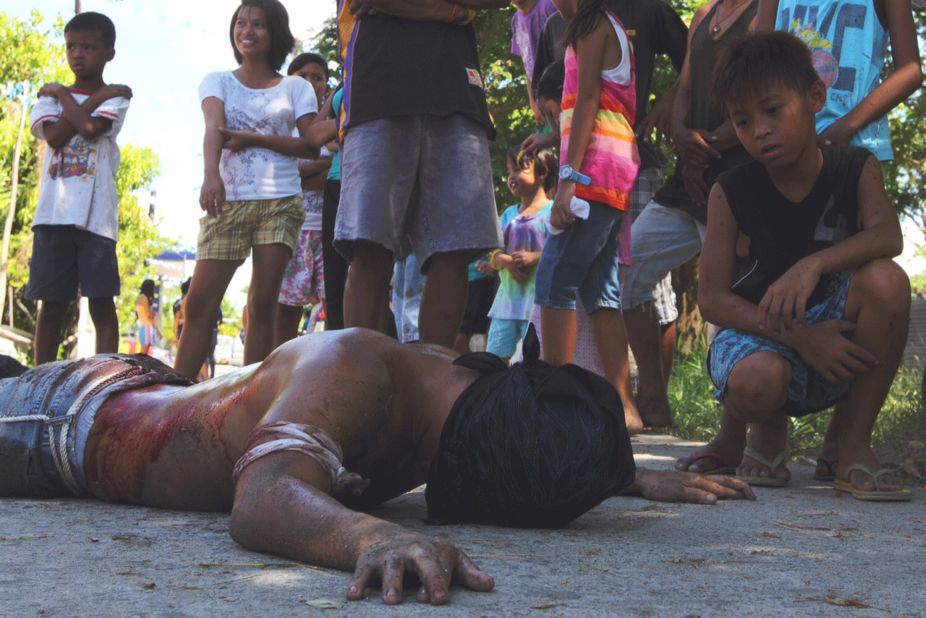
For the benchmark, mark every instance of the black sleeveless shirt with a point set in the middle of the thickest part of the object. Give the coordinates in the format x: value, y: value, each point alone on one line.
x: 782, y: 232
x: 703, y: 112
x: 400, y: 67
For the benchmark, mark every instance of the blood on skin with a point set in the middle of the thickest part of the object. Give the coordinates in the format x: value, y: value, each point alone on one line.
x: 128, y: 434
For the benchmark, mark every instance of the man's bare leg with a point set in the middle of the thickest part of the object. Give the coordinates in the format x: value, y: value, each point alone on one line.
x: 444, y: 298
x: 645, y: 341
x: 210, y: 280
x: 669, y: 335
x: 48, y: 325
x: 611, y: 341
x: 287, y: 324
x: 106, y: 324
x: 266, y: 277
x: 367, y: 286
x: 756, y: 391
x: 879, y: 304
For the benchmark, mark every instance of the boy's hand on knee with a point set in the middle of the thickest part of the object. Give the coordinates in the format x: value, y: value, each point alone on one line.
x: 785, y: 301
x: 829, y: 352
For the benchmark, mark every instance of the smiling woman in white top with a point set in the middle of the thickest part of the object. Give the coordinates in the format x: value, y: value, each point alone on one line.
x: 251, y: 188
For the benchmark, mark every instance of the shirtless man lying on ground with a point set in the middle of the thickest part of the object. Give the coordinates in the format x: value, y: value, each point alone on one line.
x: 327, y: 424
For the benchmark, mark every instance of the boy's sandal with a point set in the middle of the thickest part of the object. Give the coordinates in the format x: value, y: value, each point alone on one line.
x: 719, y: 469
x: 878, y: 495
x: 826, y: 470
x: 765, y: 481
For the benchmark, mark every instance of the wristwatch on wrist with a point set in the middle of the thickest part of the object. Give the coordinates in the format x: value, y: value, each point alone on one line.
x: 567, y: 173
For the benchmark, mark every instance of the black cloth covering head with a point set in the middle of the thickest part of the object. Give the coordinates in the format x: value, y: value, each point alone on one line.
x: 530, y: 446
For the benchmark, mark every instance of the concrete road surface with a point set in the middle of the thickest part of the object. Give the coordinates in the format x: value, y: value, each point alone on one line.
x: 801, y: 550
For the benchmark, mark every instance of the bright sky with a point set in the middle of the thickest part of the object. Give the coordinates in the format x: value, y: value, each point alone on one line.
x: 163, y: 50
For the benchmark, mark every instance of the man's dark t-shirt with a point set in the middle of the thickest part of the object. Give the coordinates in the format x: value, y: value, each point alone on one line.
x: 782, y: 232
x: 400, y: 67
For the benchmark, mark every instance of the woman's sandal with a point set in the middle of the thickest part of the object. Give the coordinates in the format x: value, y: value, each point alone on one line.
x: 765, y: 481
x: 878, y: 495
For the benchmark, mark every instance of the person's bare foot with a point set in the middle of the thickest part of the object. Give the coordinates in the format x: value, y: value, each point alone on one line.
x: 655, y: 410
x: 765, y: 456
x: 632, y: 419
x: 719, y: 456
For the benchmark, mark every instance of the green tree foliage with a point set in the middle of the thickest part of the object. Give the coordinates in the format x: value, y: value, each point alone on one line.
x: 138, y: 237
x: 31, y: 50
x: 906, y: 176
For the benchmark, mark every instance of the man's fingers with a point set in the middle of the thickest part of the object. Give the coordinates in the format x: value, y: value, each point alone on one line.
x: 695, y: 495
x: 435, y: 579
x: 393, y: 575
x: 731, y: 488
x: 471, y: 576
x: 362, y: 579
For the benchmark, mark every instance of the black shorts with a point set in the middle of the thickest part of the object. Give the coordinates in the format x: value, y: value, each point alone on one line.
x: 478, y: 303
x: 65, y: 257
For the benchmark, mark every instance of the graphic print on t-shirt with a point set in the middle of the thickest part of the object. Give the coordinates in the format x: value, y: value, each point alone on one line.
x: 75, y: 158
x: 826, y: 35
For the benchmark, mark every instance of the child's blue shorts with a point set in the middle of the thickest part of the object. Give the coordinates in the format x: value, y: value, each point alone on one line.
x: 504, y: 336
x: 582, y: 260
x: 808, y: 391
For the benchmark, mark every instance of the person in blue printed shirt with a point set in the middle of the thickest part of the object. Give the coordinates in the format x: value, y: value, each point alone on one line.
x: 848, y: 40
x: 525, y: 228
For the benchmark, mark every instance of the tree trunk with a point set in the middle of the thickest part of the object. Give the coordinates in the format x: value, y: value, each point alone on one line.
x: 11, y: 213
x: 690, y: 322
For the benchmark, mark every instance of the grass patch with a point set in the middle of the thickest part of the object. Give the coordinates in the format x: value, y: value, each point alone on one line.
x: 697, y: 413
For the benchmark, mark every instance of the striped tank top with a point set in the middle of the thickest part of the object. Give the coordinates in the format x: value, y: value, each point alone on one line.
x: 611, y: 159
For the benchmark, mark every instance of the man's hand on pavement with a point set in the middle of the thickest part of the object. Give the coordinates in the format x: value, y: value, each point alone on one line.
x: 435, y: 561
x: 671, y: 486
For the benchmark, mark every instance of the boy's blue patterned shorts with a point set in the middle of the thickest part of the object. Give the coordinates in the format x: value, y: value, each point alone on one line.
x: 808, y: 391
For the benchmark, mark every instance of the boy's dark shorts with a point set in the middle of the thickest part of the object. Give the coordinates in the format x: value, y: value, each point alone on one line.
x: 478, y: 303
x: 65, y: 257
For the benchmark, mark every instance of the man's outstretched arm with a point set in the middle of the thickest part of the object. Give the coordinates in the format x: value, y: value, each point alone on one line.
x: 282, y: 507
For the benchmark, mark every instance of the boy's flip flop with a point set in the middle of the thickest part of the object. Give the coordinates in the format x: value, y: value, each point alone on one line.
x: 826, y: 470
x: 719, y: 469
x: 765, y: 481
x: 878, y: 495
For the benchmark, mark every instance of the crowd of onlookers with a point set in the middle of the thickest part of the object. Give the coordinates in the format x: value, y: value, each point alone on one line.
x: 371, y: 192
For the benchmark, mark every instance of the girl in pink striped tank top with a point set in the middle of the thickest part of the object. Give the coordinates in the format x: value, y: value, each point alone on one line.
x: 599, y: 163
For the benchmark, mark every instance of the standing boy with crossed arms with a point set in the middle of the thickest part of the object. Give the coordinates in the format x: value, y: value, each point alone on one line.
x: 77, y: 218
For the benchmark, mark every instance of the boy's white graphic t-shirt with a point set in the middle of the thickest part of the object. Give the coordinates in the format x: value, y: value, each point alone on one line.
x: 79, y: 179
x: 259, y: 173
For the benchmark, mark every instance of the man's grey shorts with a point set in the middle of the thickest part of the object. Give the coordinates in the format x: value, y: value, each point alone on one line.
x: 663, y: 239
x: 420, y: 184
x: 648, y: 182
